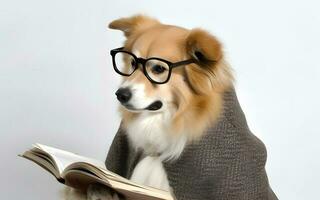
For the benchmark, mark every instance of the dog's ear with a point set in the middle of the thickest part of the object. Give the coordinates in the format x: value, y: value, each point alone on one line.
x: 132, y: 24
x: 210, y: 72
x: 203, y: 47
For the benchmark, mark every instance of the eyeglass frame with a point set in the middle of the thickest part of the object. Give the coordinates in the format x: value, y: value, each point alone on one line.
x: 143, y: 61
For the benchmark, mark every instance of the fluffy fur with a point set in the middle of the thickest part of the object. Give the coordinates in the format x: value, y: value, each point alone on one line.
x: 192, y: 94
x: 150, y: 171
x: 192, y: 99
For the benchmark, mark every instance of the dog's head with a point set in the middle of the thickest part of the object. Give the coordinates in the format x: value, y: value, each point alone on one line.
x: 190, y: 82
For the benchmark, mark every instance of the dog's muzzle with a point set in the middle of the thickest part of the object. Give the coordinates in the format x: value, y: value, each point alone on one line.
x: 124, y: 95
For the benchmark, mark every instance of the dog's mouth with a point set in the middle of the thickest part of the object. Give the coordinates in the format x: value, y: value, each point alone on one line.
x: 156, y: 105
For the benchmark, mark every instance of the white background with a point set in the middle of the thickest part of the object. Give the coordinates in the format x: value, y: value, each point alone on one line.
x: 57, y: 84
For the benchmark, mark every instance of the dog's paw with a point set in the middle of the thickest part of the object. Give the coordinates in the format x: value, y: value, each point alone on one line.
x: 71, y: 194
x: 100, y: 192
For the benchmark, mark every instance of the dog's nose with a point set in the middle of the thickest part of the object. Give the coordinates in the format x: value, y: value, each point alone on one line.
x: 123, y: 95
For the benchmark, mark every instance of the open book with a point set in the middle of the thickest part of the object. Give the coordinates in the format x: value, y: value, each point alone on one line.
x: 79, y: 172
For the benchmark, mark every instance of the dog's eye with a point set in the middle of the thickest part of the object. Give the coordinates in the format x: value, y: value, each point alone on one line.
x: 158, y: 69
x: 133, y: 63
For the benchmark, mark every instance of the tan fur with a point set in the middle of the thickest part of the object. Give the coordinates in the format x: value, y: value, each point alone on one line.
x: 133, y: 24
x: 196, y: 89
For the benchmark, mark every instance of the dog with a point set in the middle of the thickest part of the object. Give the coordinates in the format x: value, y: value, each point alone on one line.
x: 172, y: 90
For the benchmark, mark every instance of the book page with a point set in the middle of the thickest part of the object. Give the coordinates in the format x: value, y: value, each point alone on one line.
x: 43, y: 162
x: 81, y: 180
x: 114, y: 180
x: 64, y: 158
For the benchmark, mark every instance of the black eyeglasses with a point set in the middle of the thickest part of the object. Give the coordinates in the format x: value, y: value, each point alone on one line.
x: 157, y: 70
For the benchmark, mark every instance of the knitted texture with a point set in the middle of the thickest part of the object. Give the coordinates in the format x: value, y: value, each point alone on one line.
x: 227, y: 163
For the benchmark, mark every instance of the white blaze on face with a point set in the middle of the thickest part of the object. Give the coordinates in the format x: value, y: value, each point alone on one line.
x: 138, y: 100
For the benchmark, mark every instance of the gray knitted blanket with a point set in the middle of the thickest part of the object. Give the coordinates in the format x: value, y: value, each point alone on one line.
x: 228, y: 163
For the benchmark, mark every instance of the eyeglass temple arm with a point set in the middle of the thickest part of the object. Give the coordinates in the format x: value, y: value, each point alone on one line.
x: 185, y: 62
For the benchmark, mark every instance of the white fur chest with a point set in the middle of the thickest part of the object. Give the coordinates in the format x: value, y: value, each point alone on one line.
x: 149, y: 171
x: 150, y: 132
